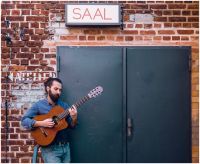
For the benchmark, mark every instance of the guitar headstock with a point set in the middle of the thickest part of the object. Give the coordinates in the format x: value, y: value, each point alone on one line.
x: 95, y: 92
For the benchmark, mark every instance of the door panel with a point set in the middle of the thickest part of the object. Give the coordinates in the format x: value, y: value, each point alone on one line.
x: 158, y: 101
x: 149, y: 85
x: 98, y: 136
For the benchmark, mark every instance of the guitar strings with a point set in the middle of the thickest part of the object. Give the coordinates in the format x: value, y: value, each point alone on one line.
x: 65, y: 113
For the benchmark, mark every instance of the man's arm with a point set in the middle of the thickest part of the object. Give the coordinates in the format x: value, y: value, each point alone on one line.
x: 29, y: 123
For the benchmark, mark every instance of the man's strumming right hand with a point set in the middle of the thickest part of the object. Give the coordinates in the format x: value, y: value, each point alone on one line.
x: 45, y: 123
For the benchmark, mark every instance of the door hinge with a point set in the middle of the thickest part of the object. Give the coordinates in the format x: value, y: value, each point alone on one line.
x: 58, y: 63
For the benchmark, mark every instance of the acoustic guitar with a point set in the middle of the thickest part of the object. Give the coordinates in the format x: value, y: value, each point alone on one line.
x: 44, y: 135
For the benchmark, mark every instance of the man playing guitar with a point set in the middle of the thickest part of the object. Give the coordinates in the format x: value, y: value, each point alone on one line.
x: 58, y: 151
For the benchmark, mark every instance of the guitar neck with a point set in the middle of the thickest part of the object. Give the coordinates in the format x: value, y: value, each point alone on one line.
x: 77, y: 105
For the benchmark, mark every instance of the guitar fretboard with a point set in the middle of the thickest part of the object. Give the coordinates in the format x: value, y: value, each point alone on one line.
x: 77, y: 105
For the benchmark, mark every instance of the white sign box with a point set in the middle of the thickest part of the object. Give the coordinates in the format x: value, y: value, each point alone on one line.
x: 92, y: 14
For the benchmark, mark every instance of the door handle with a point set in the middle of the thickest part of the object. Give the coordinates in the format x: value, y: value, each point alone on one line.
x: 129, y: 127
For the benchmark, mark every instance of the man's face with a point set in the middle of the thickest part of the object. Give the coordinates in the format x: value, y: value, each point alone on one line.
x: 54, y: 91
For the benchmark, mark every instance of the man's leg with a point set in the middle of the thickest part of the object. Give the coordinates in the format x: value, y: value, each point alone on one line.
x: 66, y: 153
x: 50, y: 155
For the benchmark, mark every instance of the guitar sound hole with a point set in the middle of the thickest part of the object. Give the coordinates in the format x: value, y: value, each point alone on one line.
x: 55, y: 119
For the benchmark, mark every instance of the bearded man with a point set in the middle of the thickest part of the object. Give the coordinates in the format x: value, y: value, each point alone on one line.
x: 59, y: 150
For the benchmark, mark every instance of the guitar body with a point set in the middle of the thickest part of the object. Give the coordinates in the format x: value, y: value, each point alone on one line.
x: 43, y: 135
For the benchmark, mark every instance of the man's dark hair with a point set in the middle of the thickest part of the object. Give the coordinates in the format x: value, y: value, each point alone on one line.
x: 49, y: 82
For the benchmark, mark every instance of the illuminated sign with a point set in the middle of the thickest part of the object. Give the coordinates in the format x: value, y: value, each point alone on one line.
x: 92, y: 14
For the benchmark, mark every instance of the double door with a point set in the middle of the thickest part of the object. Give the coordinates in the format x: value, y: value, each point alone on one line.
x: 143, y: 114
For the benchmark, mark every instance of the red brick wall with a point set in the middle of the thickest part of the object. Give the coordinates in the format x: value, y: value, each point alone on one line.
x: 33, y: 59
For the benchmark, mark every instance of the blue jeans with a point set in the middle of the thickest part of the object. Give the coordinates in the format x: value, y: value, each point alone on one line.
x: 56, y: 153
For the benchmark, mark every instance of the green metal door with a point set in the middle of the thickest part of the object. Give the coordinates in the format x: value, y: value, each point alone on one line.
x: 158, y: 104
x: 98, y: 137
x: 144, y: 112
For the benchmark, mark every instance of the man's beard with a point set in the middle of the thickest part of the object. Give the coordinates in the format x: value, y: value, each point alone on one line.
x: 54, y: 97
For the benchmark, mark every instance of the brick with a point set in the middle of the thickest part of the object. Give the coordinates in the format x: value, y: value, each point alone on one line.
x: 185, y: 32
x: 157, y: 38
x: 35, y: 50
x: 150, y: 32
x: 25, y: 6
x: 193, y: 19
x: 35, y: 25
x: 39, y: 31
x: 7, y: 6
x: 101, y: 38
x: 24, y: 62
x: 167, y: 25
x: 138, y: 25
x: 187, y: 25
x: 15, y: 12
x: 15, y: 160
x: 186, y: 12
x: 25, y: 12
x: 26, y: 25
x: 3, y: 154
x: 177, y: 24
x: 34, y: 61
x: 35, y: 12
x: 193, y: 6
x: 5, y: 49
x: 36, y: 18
x: 6, y: 61
x: 160, y: 19
x: 43, y: 62
x: 139, y: 6
x: 15, y: 124
x: 176, y: 12
x: 119, y: 38
x: 175, y: 37
x: 26, y: 160
x: 39, y: 56
x: 14, y: 136
x: 177, y: 19
x: 156, y: 25
x: 166, y: 38
x: 129, y: 25
x: 53, y: 62
x: 110, y: 38
x: 15, y: 49
x: 15, y: 61
x: 34, y: 43
x: 18, y: 43
x: 184, y: 38
x: 22, y: 154
x: 195, y: 25
x: 44, y: 49
x: 167, y: 12
x: 5, y: 12
x: 15, y: 18
x: 177, y: 6
x: 196, y: 13
x: 91, y: 37
x: 128, y: 38
x: 25, y: 55
x: 158, y: 6
x: 17, y: 68
x: 82, y: 38
x: 166, y: 32
x: 68, y: 37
